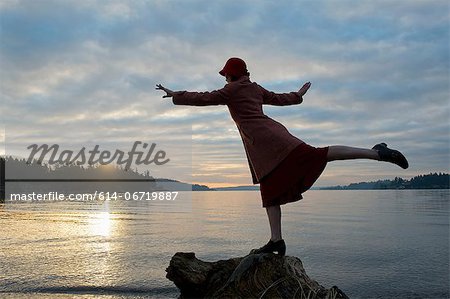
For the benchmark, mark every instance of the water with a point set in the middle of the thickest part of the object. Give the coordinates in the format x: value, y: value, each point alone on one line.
x: 372, y: 244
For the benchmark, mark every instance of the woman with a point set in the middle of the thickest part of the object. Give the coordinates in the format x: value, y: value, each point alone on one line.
x: 282, y: 164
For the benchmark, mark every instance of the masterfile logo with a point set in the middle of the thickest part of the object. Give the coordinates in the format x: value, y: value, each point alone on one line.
x: 94, y: 156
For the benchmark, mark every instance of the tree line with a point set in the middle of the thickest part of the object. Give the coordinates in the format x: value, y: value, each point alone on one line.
x: 427, y: 181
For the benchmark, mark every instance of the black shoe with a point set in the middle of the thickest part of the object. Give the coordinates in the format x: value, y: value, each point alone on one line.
x: 272, y: 247
x: 390, y: 155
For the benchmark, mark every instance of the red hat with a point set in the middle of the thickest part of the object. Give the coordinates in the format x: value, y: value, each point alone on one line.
x: 234, y: 67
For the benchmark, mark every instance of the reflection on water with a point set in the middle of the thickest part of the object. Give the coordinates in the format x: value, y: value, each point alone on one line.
x: 391, y: 244
x: 100, y: 224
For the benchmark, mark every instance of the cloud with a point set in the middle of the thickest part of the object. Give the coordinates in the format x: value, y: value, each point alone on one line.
x: 85, y: 71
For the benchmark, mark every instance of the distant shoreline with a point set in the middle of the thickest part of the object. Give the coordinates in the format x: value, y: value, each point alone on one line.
x: 21, y: 171
x: 232, y: 189
x: 437, y: 181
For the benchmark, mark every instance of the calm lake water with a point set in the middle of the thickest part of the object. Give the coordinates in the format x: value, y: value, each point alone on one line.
x: 372, y: 244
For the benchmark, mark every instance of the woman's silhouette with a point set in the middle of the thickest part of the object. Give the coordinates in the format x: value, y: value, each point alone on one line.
x: 282, y: 164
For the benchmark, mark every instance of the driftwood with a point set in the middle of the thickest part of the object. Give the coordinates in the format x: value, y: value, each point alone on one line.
x: 253, y: 276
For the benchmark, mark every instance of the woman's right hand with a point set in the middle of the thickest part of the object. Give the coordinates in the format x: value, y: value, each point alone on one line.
x: 304, y: 89
x: 169, y: 93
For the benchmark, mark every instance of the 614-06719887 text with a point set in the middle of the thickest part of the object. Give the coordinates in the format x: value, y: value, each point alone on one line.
x: 105, y: 196
x: 160, y: 195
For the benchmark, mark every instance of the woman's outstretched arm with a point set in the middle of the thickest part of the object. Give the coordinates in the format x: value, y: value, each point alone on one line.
x: 283, y: 99
x: 169, y: 93
x: 216, y: 97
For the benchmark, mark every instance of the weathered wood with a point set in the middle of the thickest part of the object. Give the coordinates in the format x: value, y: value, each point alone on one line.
x: 253, y: 276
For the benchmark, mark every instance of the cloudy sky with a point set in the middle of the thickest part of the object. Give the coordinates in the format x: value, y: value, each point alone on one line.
x: 80, y: 73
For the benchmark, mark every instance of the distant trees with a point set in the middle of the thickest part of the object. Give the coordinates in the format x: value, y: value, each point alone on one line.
x: 430, y: 181
x: 24, y: 177
x: 427, y: 181
x: 21, y: 168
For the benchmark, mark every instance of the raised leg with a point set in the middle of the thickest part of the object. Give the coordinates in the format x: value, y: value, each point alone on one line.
x: 340, y: 152
x: 379, y: 152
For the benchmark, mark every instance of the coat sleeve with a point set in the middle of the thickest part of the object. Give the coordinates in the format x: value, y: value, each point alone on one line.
x: 280, y: 99
x: 216, y: 97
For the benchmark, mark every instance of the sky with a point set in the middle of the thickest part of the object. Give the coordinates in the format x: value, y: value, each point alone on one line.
x: 83, y: 73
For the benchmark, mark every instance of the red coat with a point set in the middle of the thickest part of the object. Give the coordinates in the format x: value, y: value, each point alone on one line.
x: 266, y: 141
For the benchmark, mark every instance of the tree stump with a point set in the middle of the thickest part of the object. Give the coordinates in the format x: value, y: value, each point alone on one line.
x: 264, y: 275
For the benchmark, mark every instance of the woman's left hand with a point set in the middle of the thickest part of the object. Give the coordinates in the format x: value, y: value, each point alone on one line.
x: 169, y: 93
x: 304, y: 88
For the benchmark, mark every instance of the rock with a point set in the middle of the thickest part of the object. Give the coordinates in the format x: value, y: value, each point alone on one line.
x: 253, y: 276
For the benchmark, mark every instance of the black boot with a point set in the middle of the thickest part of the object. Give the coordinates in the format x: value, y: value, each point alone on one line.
x: 272, y: 247
x: 390, y: 155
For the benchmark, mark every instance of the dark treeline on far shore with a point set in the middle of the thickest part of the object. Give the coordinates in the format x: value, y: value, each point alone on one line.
x: 19, y: 168
x: 427, y: 181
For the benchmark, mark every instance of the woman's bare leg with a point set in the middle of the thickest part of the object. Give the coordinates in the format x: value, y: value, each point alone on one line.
x: 276, y: 243
x: 274, y: 214
x: 340, y: 152
x: 335, y: 152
